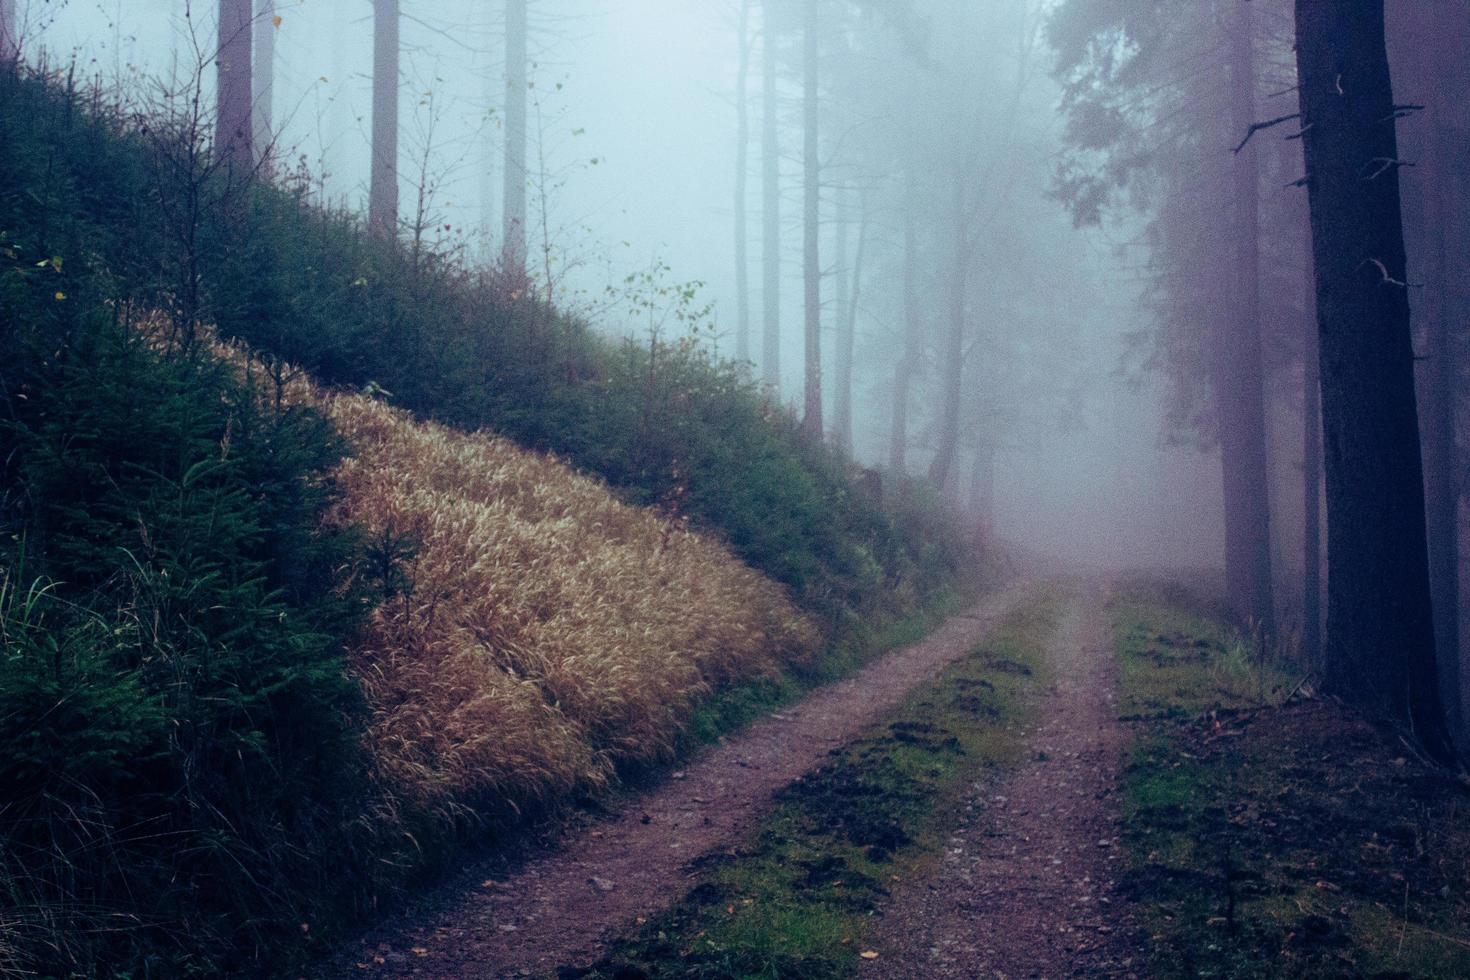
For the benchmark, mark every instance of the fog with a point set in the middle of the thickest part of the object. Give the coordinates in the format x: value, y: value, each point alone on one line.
x: 632, y: 140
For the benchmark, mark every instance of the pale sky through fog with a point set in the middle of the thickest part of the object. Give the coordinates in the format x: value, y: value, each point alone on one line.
x: 646, y: 91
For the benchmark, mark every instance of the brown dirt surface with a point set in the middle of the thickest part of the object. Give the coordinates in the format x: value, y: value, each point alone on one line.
x: 1028, y: 885
x: 562, y: 906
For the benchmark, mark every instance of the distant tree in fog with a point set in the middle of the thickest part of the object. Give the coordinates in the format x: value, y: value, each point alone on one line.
x: 770, y: 196
x: 233, y: 127
x: 263, y: 77
x: 1156, y: 96
x: 517, y: 90
x: 811, y: 421
x: 1380, y: 631
x: 742, y: 166
x: 383, y: 184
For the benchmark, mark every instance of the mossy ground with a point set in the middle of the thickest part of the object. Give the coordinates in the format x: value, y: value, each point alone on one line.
x: 1274, y: 840
x: 793, y: 901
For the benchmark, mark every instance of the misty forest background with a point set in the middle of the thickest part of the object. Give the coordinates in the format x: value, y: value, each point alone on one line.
x: 344, y: 342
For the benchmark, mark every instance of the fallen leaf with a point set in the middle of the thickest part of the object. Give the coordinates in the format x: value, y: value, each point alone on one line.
x: 868, y: 954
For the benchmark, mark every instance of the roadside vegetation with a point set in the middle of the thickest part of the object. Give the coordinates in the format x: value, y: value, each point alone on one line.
x: 794, y: 899
x: 1271, y: 834
x: 272, y: 653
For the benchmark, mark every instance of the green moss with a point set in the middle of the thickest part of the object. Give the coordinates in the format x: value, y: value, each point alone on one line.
x: 794, y: 900
x: 1269, y: 840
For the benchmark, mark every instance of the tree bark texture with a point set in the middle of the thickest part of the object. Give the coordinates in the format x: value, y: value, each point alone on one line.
x: 1238, y: 371
x: 232, y: 138
x: 811, y: 420
x: 383, y: 186
x: 1380, y: 627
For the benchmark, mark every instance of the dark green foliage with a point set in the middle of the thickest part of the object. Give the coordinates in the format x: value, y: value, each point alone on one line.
x: 661, y: 421
x: 180, y: 733
x: 173, y: 702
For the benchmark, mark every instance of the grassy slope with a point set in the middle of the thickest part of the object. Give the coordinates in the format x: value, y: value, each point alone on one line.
x: 793, y: 900
x: 91, y: 223
x: 1278, y: 841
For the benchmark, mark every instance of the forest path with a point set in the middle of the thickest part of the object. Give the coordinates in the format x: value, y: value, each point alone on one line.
x: 1027, y: 886
x: 562, y: 907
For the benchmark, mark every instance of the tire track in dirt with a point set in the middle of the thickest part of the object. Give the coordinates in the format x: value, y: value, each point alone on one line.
x: 562, y: 907
x: 1027, y: 883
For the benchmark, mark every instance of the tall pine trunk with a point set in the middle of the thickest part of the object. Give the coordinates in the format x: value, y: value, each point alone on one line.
x: 263, y: 79
x: 383, y: 186
x: 1239, y: 389
x: 517, y: 92
x: 811, y: 420
x: 771, y: 206
x: 1435, y: 176
x: 232, y: 138
x: 1311, y: 471
x: 1380, y: 626
x: 742, y: 156
x: 849, y: 289
x: 908, y: 361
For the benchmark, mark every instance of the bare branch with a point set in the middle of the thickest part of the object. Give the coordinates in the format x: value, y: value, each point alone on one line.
x: 1257, y: 127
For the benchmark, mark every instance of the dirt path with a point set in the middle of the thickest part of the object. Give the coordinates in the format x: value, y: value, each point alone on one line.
x: 559, y: 909
x: 1026, y: 887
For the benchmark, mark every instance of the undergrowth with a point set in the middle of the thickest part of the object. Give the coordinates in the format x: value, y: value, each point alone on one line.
x: 198, y: 778
x: 794, y: 899
x: 1278, y: 837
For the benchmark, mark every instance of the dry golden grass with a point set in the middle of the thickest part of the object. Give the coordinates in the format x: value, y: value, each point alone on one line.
x: 548, y: 632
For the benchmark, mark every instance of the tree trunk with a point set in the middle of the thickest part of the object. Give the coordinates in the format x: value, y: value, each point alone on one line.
x: 811, y: 420
x: 232, y: 96
x: 850, y: 290
x: 1435, y: 178
x: 263, y: 79
x: 1239, y: 390
x: 771, y: 208
x: 1311, y: 473
x: 908, y: 362
x: 9, y: 34
x: 517, y: 89
x: 383, y: 189
x: 1380, y: 627
x: 494, y: 91
x: 942, y: 467
x: 982, y: 490
x: 742, y: 154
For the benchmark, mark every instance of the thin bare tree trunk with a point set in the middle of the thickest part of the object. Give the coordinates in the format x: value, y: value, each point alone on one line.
x: 1380, y: 625
x: 517, y: 83
x: 811, y: 420
x: 742, y: 158
x: 263, y: 79
x: 771, y: 207
x: 942, y: 467
x: 232, y: 105
x: 849, y: 289
x: 908, y: 362
x: 9, y: 34
x: 1239, y: 388
x: 383, y: 189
